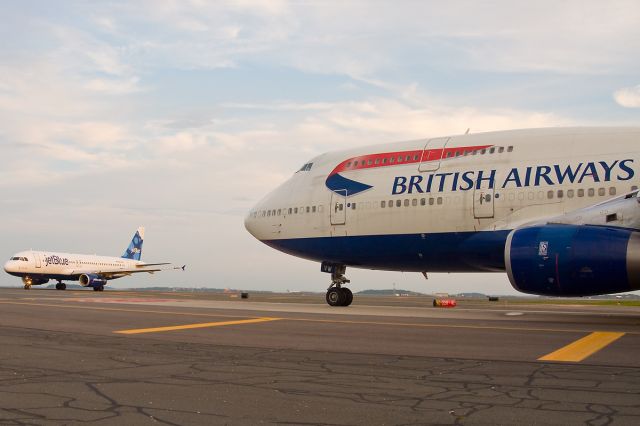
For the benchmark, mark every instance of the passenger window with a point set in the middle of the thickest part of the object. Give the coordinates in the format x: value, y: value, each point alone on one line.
x: 492, y: 150
x: 431, y: 201
x: 369, y: 162
x: 353, y: 206
x: 383, y: 204
x: 406, y: 202
x: 355, y: 164
x: 439, y: 200
x: 591, y: 192
x: 510, y: 149
x: 377, y: 161
x: 313, y: 209
x: 560, y: 193
x: 580, y: 192
x: 398, y: 203
x: 414, y: 202
x: 384, y: 161
x: 612, y: 190
x: 349, y: 164
x: 390, y: 203
x: 392, y: 159
x: 483, y: 151
x: 601, y: 191
x: 340, y: 206
x: 501, y: 149
x: 295, y: 210
x: 408, y: 158
x: 449, y: 154
x: 279, y: 212
x: 289, y: 210
x: 549, y: 194
x: 423, y: 202
x: 416, y: 157
x: 570, y: 193
x: 308, y: 209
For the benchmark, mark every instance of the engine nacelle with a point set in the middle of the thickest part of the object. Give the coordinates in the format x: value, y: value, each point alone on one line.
x: 92, y: 280
x: 34, y: 281
x: 573, y: 260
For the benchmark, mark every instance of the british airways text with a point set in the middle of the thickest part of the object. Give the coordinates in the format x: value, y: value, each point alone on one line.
x: 596, y: 171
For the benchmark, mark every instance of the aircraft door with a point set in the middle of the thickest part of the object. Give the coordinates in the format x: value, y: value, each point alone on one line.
x: 338, y: 208
x: 432, y: 154
x: 483, y: 199
x: 36, y: 258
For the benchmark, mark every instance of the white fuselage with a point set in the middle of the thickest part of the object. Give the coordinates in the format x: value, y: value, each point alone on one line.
x: 443, y: 204
x: 64, y: 266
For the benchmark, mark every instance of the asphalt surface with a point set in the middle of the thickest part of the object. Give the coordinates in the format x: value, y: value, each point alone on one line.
x: 105, y: 358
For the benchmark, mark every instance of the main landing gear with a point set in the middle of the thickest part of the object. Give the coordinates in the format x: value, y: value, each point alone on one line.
x: 98, y: 288
x: 337, y: 295
x: 61, y: 286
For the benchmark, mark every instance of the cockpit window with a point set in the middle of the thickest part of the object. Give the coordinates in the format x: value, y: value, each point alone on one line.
x: 22, y: 259
x: 306, y: 167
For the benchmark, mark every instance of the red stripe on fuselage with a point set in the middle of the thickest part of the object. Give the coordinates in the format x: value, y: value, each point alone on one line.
x: 399, y: 158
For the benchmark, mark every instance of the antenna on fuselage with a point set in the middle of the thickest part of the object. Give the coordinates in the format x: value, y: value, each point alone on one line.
x: 467, y: 132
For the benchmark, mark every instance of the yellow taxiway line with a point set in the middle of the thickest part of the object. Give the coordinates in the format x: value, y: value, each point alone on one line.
x: 198, y: 325
x: 583, y: 348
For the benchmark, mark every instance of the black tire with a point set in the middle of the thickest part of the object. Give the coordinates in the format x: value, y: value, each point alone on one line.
x: 335, y: 296
x: 63, y: 286
x: 99, y: 288
x: 348, y: 296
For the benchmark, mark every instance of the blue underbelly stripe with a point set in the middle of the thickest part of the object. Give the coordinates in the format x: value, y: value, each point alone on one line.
x: 440, y: 252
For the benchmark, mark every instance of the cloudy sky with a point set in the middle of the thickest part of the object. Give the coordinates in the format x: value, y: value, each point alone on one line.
x: 180, y: 115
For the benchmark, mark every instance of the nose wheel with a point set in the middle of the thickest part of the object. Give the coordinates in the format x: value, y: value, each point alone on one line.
x: 337, y: 295
x: 61, y: 286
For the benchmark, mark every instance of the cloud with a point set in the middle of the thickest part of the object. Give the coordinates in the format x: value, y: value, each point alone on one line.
x: 628, y: 97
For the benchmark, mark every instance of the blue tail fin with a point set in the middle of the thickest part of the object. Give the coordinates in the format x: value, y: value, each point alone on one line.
x: 134, y: 251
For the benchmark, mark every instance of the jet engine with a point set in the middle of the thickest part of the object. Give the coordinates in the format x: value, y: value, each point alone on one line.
x: 573, y: 260
x: 92, y: 280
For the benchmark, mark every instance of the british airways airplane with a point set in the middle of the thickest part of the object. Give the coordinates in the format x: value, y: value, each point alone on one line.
x: 38, y: 267
x: 556, y: 209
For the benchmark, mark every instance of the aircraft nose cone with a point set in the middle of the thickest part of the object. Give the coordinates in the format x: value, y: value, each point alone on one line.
x: 249, y: 224
x: 7, y: 267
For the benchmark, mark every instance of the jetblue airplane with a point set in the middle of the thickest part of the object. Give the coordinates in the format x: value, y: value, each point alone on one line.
x: 556, y: 209
x: 38, y: 267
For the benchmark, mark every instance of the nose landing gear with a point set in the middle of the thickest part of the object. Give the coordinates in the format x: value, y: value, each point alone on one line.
x: 337, y: 295
x: 61, y: 286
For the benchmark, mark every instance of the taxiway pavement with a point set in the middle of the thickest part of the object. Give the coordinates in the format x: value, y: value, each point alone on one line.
x: 192, y: 358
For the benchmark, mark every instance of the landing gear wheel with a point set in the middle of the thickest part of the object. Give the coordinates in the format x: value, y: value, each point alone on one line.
x: 61, y: 286
x: 335, y: 296
x: 98, y: 288
x: 27, y: 286
x: 348, y: 296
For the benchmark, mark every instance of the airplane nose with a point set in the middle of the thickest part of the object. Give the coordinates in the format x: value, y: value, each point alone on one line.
x: 7, y: 267
x: 249, y: 224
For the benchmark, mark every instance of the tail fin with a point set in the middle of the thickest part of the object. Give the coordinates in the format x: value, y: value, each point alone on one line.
x: 134, y: 251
